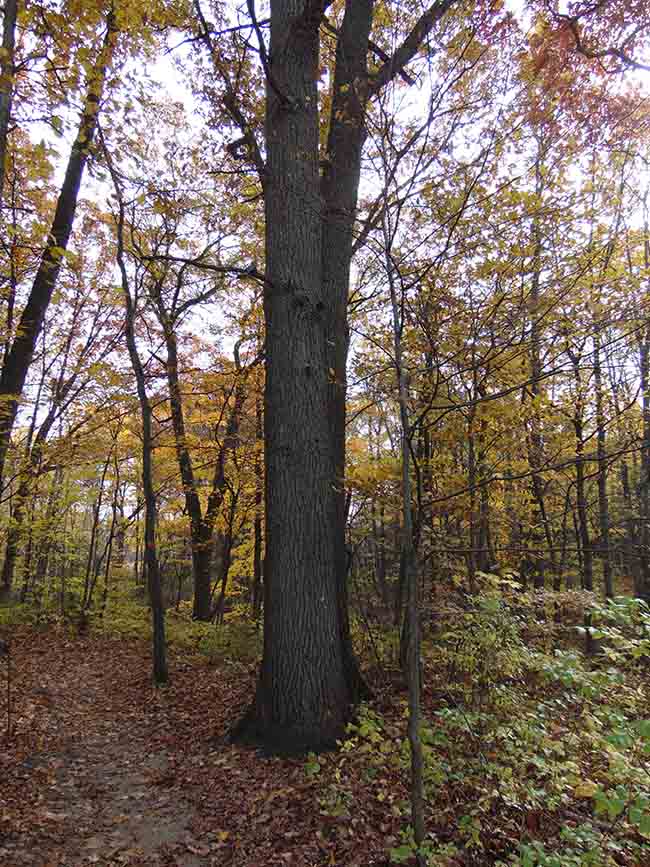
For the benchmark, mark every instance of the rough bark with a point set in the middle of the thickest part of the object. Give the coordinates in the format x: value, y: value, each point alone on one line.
x: 644, y: 483
x: 340, y: 186
x: 309, y: 675
x: 256, y: 599
x: 303, y: 699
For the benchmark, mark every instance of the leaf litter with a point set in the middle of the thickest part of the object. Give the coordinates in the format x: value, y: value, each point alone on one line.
x: 101, y: 768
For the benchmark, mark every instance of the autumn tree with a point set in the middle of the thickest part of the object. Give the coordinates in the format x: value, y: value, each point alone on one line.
x: 309, y: 677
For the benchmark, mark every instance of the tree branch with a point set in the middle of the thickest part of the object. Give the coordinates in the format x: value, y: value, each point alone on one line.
x: 410, y: 46
x: 230, y: 97
x: 615, y: 52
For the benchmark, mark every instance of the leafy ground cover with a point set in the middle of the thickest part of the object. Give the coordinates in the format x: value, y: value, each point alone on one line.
x: 535, y: 753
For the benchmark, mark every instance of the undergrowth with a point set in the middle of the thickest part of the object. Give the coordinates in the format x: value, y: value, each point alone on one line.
x: 536, y: 754
x: 237, y: 639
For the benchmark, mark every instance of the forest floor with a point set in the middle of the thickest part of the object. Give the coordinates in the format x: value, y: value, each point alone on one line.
x: 537, y: 756
x: 101, y: 768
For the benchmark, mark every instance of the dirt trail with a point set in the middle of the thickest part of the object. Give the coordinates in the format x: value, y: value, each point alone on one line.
x: 104, y: 769
x: 105, y: 793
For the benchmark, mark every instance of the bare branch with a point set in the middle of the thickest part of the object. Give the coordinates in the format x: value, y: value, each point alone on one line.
x: 230, y: 100
x: 411, y: 45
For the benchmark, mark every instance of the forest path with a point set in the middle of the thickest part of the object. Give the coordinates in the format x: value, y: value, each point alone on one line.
x: 99, y: 763
x: 102, y: 768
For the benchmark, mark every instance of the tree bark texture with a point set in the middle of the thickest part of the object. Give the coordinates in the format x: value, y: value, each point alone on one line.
x: 302, y: 700
x: 309, y: 675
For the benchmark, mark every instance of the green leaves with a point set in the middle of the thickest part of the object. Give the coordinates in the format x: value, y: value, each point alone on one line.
x: 312, y: 765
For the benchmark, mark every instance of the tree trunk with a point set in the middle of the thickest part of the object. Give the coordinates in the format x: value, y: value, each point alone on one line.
x: 581, y: 505
x: 471, y: 483
x: 603, y: 499
x: 259, y: 498
x: 303, y: 699
x: 309, y: 676
x: 410, y: 649
x: 27, y: 562
x: 541, y: 527
x: 150, y: 555
x: 89, y: 583
x: 27, y: 475
x: 45, y: 544
x: 18, y: 360
x: 644, y: 484
x: 201, y: 535
x: 14, y: 534
x: 226, y: 560
x: 340, y: 189
x: 9, y: 18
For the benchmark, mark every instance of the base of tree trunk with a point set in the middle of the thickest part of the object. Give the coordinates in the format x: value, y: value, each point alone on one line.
x: 288, y: 741
x: 357, y: 686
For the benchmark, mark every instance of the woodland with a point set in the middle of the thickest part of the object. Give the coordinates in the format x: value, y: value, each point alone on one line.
x: 325, y: 433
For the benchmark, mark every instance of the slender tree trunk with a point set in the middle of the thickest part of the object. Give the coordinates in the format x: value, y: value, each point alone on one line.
x: 115, y: 535
x: 44, y: 551
x: 17, y: 362
x: 226, y: 561
x: 92, y: 545
x: 471, y: 482
x: 630, y: 557
x: 485, y: 554
x: 541, y: 526
x: 581, y: 506
x: 27, y: 475
x: 603, y: 498
x: 27, y: 561
x: 9, y: 18
x: 564, y: 537
x: 14, y: 533
x: 201, y: 534
x: 151, y: 563
x: 137, y: 557
x: 411, y: 632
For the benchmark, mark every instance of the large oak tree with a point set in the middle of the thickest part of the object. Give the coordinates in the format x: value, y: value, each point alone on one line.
x: 309, y: 678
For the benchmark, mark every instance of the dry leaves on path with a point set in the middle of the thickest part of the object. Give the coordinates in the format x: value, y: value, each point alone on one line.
x: 104, y: 769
